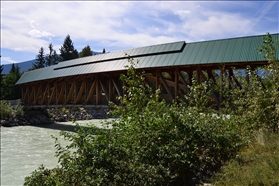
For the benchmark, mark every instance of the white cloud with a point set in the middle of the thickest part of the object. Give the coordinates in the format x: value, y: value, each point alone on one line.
x: 7, y: 60
x: 183, y: 13
x: 27, y: 26
x: 38, y: 34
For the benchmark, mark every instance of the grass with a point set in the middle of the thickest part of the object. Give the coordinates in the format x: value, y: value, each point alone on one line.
x: 258, y: 164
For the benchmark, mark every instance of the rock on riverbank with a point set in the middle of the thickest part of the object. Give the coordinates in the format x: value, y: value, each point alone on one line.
x: 53, y: 115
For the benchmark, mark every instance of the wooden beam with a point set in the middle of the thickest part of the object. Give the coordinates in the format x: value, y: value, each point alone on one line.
x: 198, y: 74
x: 157, y: 79
x: 183, y: 81
x: 45, y: 95
x: 111, y: 94
x: 91, y: 92
x: 61, y: 94
x: 117, y: 86
x: 32, y: 95
x: 98, y: 96
x: 234, y: 78
x: 229, y: 80
x: 53, y: 94
x: 221, y: 83
x: 190, y: 74
x: 71, y: 92
x: 210, y: 75
x: 203, y: 76
x: 166, y: 86
x: 168, y: 82
x: 104, y: 87
x: 39, y: 94
x: 22, y: 93
x: 80, y: 92
x: 176, y: 78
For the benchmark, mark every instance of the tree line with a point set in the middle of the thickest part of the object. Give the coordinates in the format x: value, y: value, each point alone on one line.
x: 67, y: 52
x: 8, y: 89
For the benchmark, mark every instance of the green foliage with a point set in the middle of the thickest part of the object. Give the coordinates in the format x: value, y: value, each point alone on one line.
x: 1, y: 80
x: 257, y: 107
x: 86, y: 51
x: 256, y: 165
x: 67, y: 50
x: 40, y: 60
x: 52, y: 58
x: 258, y: 103
x: 9, y: 91
x: 44, y: 176
x: 7, y: 110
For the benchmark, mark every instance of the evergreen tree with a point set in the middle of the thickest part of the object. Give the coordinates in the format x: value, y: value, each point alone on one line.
x: 104, y: 50
x: 8, y: 88
x: 67, y: 51
x: 52, y: 58
x: 1, y: 82
x: 13, y: 69
x: 40, y: 59
x: 56, y: 57
x: 86, y: 51
x: 1, y: 75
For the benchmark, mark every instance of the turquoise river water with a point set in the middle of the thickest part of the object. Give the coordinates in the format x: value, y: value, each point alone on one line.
x: 25, y: 148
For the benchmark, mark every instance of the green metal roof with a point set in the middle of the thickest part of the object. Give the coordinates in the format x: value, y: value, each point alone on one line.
x: 231, y: 50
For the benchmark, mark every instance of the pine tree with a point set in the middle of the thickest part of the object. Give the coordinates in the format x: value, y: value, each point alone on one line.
x: 1, y: 81
x: 86, y: 51
x: 13, y: 69
x: 52, y: 58
x: 67, y: 51
x: 8, y: 88
x: 104, y: 50
x: 40, y: 59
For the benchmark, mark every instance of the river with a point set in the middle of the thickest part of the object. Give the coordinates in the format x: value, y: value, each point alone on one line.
x: 25, y: 148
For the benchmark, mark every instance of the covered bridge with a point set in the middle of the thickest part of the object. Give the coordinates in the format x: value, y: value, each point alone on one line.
x: 94, y: 80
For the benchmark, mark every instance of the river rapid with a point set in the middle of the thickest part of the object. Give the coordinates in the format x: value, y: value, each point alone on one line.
x: 25, y: 148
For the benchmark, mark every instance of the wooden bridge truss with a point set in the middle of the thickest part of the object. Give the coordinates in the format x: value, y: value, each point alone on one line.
x: 89, y: 90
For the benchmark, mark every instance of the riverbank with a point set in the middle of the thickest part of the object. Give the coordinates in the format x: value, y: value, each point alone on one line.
x: 54, y: 115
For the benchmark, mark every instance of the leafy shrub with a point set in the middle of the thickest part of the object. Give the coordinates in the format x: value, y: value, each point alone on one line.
x: 7, y: 110
x: 258, y: 102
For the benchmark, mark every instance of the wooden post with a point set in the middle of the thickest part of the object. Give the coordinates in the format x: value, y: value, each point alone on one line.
x: 190, y: 74
x: 176, y: 90
x: 97, y: 92
x: 157, y: 79
x: 221, y: 84
x: 166, y: 86
x: 183, y: 81
x: 91, y: 91
x: 231, y: 74
x: 198, y: 74
x: 110, y: 90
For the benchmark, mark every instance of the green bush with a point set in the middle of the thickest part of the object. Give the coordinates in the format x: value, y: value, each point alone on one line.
x: 6, y: 110
x: 258, y: 102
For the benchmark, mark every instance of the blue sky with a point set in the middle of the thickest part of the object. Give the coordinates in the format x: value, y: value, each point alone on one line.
x: 28, y: 25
